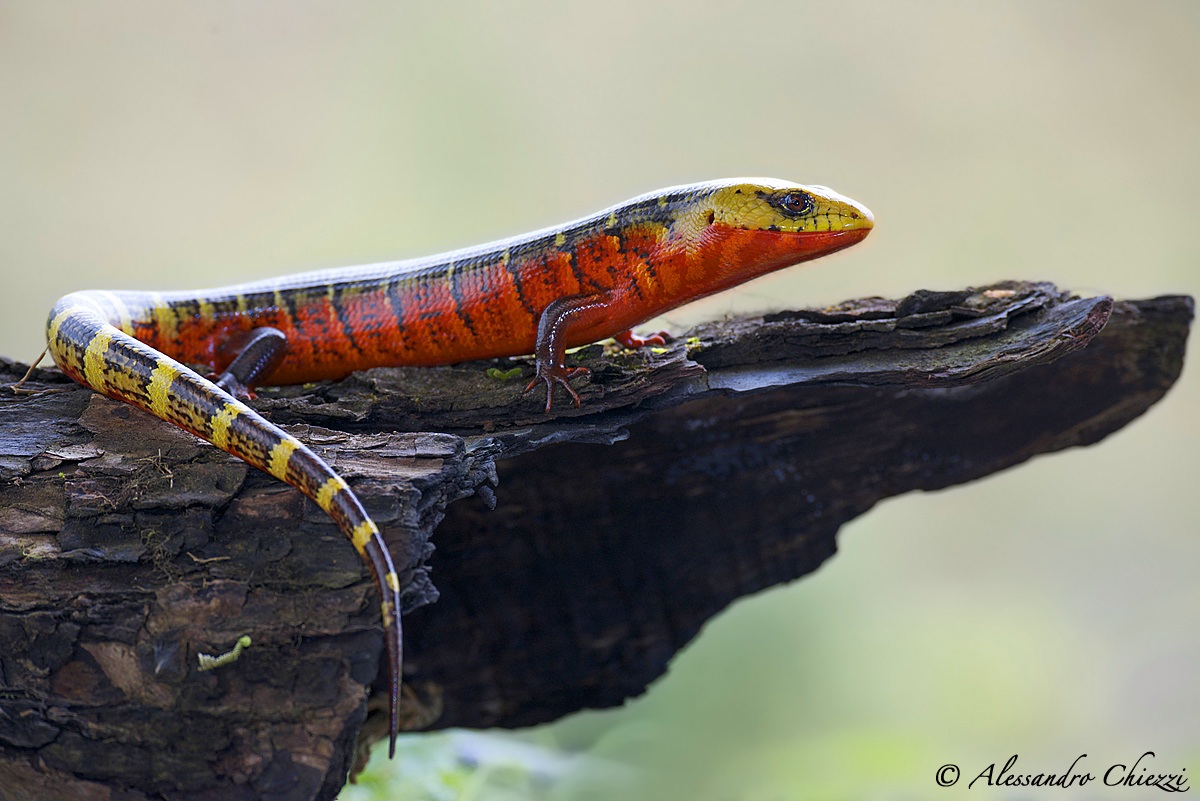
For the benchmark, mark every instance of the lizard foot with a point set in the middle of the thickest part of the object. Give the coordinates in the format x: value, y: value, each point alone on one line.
x: 556, y: 375
x: 631, y: 340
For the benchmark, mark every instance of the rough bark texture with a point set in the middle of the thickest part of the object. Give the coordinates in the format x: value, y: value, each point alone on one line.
x: 597, y: 543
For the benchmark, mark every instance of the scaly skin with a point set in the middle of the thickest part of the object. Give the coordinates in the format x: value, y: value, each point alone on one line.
x: 541, y: 293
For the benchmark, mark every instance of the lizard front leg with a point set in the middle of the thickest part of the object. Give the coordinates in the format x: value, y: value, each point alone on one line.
x: 562, y: 319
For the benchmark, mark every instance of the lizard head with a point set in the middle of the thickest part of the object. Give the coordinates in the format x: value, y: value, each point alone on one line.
x: 766, y: 204
x: 735, y: 230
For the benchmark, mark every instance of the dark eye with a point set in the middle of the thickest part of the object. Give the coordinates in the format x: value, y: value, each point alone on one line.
x: 796, y: 203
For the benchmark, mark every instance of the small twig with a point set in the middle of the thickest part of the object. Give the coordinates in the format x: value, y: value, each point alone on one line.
x: 16, y: 388
x: 204, y: 561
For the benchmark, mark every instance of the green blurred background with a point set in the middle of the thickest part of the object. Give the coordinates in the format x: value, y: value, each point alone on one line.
x: 171, y: 145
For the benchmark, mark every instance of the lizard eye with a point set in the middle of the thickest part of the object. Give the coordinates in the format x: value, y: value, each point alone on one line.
x: 796, y: 203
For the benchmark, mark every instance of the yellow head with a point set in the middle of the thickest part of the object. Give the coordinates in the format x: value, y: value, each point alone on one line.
x: 772, y: 205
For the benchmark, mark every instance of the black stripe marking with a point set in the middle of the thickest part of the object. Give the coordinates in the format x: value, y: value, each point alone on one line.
x: 456, y: 294
x: 288, y: 296
x: 185, y: 310
x: 513, y: 267
x: 224, y: 308
x: 343, y: 318
x: 396, y: 289
x: 580, y: 278
x: 651, y: 269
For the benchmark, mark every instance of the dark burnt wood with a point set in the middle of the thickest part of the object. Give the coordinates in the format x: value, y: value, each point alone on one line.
x: 575, y: 552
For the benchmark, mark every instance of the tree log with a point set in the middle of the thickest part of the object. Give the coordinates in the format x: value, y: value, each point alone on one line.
x: 593, y: 544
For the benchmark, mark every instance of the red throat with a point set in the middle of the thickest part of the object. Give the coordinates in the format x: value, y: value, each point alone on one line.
x: 735, y: 255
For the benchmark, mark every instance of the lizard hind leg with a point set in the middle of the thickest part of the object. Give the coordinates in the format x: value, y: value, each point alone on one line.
x: 562, y: 321
x: 258, y: 354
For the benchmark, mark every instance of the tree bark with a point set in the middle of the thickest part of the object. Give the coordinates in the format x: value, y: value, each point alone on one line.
x: 592, y: 546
